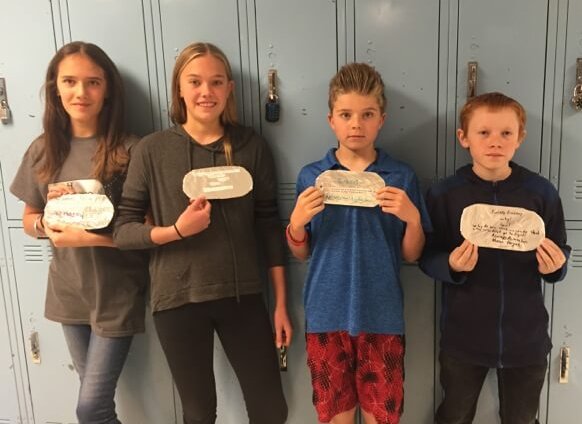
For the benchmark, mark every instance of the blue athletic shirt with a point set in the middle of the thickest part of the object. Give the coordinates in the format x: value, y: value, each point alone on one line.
x: 353, y: 283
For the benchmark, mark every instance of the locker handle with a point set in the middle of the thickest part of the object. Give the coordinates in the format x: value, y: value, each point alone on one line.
x: 5, y: 114
x: 34, y: 348
x: 577, y: 95
x: 564, y: 364
x: 471, y: 79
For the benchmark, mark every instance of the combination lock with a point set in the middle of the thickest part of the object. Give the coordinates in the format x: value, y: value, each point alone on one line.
x: 272, y: 109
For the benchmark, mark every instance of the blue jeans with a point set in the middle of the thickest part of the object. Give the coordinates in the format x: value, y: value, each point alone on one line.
x: 99, y: 361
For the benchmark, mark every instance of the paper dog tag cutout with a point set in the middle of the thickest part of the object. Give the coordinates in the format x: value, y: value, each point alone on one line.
x: 83, y: 210
x: 349, y: 188
x: 218, y: 182
x: 502, y: 227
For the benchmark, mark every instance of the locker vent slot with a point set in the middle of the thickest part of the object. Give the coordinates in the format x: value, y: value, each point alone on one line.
x: 37, y: 253
x: 578, y: 190
x: 576, y: 258
x: 5, y: 421
x: 287, y: 192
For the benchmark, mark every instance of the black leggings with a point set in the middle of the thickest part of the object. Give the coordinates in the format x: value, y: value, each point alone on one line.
x: 187, y: 336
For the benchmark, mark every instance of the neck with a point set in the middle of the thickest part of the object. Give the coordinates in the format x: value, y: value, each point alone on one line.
x: 355, y: 160
x: 493, y: 176
x: 204, y: 133
x: 83, y: 129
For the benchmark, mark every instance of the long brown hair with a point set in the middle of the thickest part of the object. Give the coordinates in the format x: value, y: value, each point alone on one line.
x: 178, y: 112
x: 110, y: 156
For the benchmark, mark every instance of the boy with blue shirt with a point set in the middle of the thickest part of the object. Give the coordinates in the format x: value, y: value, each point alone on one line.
x: 353, y: 297
x: 493, y: 313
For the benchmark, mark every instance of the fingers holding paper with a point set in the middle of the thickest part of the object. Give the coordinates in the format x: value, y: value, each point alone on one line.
x: 549, y: 256
x: 464, y: 257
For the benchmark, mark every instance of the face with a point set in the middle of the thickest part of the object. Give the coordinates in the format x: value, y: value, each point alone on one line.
x: 205, y: 88
x: 356, y: 120
x: 82, y: 87
x: 492, y: 138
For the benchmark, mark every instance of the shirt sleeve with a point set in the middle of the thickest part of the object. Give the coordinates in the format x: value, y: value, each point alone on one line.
x: 25, y: 184
x: 130, y: 230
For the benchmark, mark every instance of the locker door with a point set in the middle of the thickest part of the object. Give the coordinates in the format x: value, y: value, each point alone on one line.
x: 305, y: 61
x: 218, y: 22
x: 55, y: 372
x: 410, y: 74
x: 26, y: 50
x: 508, y: 40
x: 9, y: 407
x: 564, y: 399
x: 570, y: 171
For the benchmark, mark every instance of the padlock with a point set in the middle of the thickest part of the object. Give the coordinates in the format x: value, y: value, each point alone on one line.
x: 272, y: 109
x: 577, y: 97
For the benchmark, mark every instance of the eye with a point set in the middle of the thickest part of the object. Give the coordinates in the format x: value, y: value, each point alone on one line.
x: 194, y: 82
x: 95, y: 83
x: 217, y: 83
x: 345, y: 115
x: 369, y: 114
x: 507, y: 133
x: 483, y: 132
x: 68, y: 81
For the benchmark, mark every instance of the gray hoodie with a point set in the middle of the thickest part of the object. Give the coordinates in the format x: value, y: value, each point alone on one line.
x: 223, y: 260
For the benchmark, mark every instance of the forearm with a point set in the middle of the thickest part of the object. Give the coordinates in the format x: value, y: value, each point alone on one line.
x: 413, y: 242
x: 277, y: 277
x: 298, y: 242
x: 163, y: 235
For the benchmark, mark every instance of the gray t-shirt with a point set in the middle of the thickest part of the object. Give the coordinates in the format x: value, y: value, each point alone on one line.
x: 100, y: 286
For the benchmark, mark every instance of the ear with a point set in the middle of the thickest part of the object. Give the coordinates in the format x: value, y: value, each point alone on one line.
x: 330, y: 121
x: 230, y: 86
x: 382, y: 120
x: 462, y: 139
x: 521, y: 137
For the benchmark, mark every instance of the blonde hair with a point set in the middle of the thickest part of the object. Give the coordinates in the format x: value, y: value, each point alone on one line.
x: 178, y: 112
x: 493, y: 101
x: 359, y: 78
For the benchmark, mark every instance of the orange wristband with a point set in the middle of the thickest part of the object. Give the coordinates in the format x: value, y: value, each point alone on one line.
x: 291, y: 240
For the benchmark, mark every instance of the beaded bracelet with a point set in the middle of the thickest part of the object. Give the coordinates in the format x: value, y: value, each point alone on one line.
x: 291, y: 240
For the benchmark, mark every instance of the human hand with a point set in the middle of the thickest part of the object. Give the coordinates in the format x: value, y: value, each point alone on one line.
x: 62, y: 235
x: 195, y: 218
x: 395, y: 201
x: 309, y: 203
x: 464, y: 258
x: 550, y: 257
x: 58, y: 190
x: 283, y: 327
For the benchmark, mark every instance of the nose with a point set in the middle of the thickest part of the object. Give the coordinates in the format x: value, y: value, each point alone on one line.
x: 80, y: 90
x: 355, y: 122
x: 205, y: 88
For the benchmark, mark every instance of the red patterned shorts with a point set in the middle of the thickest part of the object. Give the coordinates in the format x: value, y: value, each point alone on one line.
x: 367, y: 369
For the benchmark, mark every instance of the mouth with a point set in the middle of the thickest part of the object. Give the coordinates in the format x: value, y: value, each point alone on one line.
x: 206, y: 104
